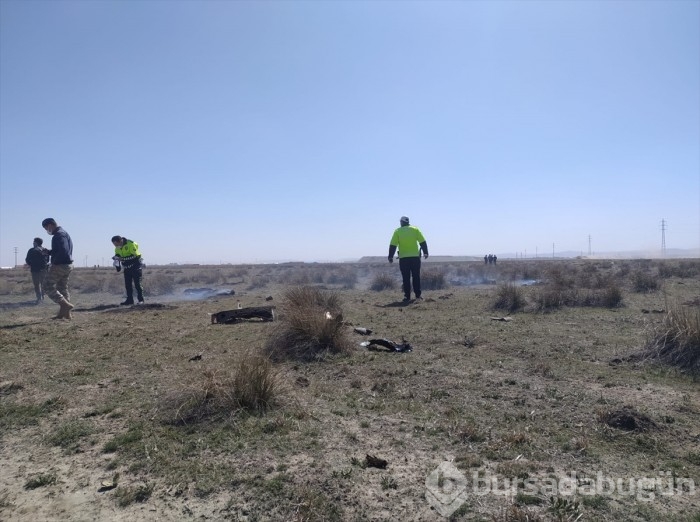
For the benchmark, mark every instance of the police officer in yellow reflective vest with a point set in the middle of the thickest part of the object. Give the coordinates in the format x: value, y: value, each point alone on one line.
x: 127, y: 256
x: 410, y: 241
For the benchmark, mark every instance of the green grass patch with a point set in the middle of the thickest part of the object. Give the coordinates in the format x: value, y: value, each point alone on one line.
x: 127, y: 495
x: 13, y: 414
x: 45, y: 479
x: 69, y: 435
x: 123, y: 441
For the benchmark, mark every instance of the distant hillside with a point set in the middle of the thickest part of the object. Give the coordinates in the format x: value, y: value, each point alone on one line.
x: 671, y: 253
x: 433, y: 259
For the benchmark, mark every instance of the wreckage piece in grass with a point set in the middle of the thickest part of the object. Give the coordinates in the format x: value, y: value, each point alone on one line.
x: 376, y: 344
x: 263, y: 313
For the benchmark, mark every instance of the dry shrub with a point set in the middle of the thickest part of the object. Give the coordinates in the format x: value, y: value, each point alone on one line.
x: 311, y: 326
x: 383, y: 281
x: 677, y: 340
x: 553, y: 296
x: 626, y: 419
x: 87, y: 282
x: 253, y: 387
x: 255, y: 384
x: 509, y: 297
x: 562, y: 276
x: 114, y: 284
x: 345, y: 276
x: 433, y: 280
x: 258, y: 282
x: 209, y: 276
x: 158, y: 284
x: 518, y: 514
x: 610, y: 297
x: 643, y: 281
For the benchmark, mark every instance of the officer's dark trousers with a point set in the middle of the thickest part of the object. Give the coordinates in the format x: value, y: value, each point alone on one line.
x: 410, y: 268
x: 133, y: 275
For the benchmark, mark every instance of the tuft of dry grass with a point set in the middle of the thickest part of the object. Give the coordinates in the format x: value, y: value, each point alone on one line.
x: 644, y: 281
x: 311, y: 326
x: 509, y: 297
x: 626, y: 419
x: 254, y: 387
x: 677, y: 340
x: 383, y: 281
x: 433, y: 279
x: 256, y: 384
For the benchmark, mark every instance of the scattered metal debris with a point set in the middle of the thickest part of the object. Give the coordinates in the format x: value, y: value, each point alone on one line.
x: 264, y: 313
x: 375, y: 462
x: 362, y: 331
x: 374, y: 344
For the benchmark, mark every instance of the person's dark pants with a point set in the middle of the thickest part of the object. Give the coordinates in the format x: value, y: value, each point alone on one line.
x: 410, y: 268
x: 133, y: 275
x: 38, y: 279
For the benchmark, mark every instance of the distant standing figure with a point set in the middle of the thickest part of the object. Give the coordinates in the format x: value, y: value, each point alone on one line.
x: 56, y: 283
x: 486, y: 259
x: 490, y: 258
x: 495, y: 258
x: 127, y: 256
x: 410, y: 241
x: 38, y: 262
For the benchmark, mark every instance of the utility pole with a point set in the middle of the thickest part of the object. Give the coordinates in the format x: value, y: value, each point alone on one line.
x: 15, y: 257
x: 589, y: 245
x: 663, y: 237
x: 552, y: 250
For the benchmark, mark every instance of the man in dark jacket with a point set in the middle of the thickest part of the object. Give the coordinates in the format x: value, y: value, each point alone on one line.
x: 56, y: 284
x: 38, y: 262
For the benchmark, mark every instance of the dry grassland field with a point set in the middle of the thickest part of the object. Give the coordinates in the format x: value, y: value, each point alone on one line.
x: 535, y: 390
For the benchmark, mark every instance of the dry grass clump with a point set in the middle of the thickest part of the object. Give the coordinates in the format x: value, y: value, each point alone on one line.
x: 316, y: 274
x: 609, y: 297
x: 254, y: 387
x: 258, y: 282
x: 626, y: 419
x: 433, y: 280
x: 158, y: 284
x: 552, y: 297
x: 107, y: 280
x: 677, y: 340
x: 342, y: 275
x: 311, y: 326
x: 383, y: 281
x: 509, y: 297
x: 643, y: 281
x: 563, y: 291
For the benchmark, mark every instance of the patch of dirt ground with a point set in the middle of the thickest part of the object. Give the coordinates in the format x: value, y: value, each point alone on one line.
x: 550, y: 401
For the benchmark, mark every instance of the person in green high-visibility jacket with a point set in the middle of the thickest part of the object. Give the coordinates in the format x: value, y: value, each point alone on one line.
x: 128, y: 257
x: 410, y: 241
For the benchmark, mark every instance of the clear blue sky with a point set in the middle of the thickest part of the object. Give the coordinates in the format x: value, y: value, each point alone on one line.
x: 233, y: 131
